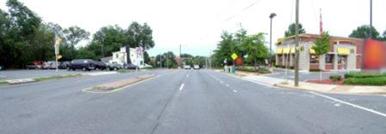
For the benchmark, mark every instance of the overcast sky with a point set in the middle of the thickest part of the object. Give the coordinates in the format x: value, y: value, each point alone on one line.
x: 198, y: 24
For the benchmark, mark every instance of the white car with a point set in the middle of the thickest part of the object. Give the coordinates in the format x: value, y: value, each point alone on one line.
x: 196, y: 67
x: 187, y: 67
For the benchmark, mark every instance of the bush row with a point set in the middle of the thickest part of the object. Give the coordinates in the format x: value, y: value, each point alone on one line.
x: 363, y: 75
x: 262, y: 70
x: 376, y: 81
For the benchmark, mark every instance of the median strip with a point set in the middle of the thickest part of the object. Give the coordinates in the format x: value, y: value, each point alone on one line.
x: 29, y: 80
x: 117, y: 85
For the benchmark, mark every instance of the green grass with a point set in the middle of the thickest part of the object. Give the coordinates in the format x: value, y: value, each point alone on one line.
x: 57, y: 77
x: 3, y: 82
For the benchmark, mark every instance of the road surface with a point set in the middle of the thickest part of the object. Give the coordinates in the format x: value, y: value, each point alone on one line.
x: 183, y: 102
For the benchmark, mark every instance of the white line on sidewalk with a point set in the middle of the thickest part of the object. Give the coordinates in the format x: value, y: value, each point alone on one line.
x: 182, y: 86
x: 350, y: 104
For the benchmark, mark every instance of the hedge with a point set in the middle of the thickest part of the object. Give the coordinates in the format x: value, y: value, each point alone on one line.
x: 335, y: 77
x: 376, y: 81
x: 261, y: 70
x: 363, y: 75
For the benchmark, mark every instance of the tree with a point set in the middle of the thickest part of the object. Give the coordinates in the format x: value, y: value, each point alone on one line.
x: 364, y: 32
x: 20, y: 26
x: 72, y: 36
x: 322, y: 46
x: 384, y: 36
x: 292, y: 30
x: 140, y: 36
x: 224, y: 49
x: 107, y: 40
x: 254, y: 49
x: 146, y: 57
x: 167, y: 60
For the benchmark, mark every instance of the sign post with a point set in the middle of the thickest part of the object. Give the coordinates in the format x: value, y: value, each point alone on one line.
x: 58, y: 40
x: 234, y: 57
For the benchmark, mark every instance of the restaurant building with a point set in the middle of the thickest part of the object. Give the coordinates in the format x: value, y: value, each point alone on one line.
x: 344, y: 54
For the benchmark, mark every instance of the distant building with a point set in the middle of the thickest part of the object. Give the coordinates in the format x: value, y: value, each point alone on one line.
x: 128, y: 55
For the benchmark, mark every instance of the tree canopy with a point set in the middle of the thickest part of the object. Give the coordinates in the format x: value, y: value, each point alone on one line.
x: 322, y: 44
x: 364, y: 32
x: 292, y: 30
x: 25, y: 38
x: 249, y: 47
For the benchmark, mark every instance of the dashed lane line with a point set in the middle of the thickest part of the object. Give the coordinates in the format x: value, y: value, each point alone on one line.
x: 182, y: 86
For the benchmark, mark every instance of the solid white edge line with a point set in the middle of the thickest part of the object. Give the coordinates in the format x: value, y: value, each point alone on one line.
x: 182, y: 86
x: 350, y: 104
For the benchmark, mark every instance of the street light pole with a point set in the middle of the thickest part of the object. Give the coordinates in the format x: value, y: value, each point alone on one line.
x: 297, y: 45
x: 271, y: 16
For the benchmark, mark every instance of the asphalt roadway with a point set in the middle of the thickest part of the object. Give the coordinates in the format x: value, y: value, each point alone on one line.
x: 183, y: 102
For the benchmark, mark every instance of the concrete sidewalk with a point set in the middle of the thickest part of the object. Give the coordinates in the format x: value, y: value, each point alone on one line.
x: 326, y: 88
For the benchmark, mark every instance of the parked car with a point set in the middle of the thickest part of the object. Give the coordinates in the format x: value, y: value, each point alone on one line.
x: 100, y: 65
x: 130, y: 66
x: 187, y: 67
x: 35, y: 65
x: 64, y: 65
x: 196, y: 67
x: 113, y: 66
x: 84, y: 64
x: 49, y: 65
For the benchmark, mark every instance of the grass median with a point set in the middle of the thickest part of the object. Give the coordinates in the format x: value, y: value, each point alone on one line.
x: 57, y: 77
x: 117, y: 85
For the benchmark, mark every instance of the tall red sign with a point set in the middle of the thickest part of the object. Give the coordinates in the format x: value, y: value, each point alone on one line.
x: 374, y: 54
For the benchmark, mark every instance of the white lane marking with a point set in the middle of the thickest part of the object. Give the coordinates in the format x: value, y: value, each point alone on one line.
x: 350, y: 104
x: 187, y: 75
x: 182, y: 86
x: 235, y: 91
x: 227, y: 85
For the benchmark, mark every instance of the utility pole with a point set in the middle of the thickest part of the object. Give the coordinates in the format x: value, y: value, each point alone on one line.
x: 297, y: 45
x: 371, y: 18
x: 271, y: 16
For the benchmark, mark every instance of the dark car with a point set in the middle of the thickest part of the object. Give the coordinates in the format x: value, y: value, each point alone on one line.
x: 114, y: 66
x: 64, y: 65
x: 84, y: 64
x: 100, y: 65
x: 130, y: 66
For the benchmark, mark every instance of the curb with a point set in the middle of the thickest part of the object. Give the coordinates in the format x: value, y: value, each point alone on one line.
x: 20, y: 81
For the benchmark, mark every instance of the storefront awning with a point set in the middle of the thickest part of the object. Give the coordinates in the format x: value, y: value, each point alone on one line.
x: 312, y: 51
x: 343, y: 51
x: 279, y: 50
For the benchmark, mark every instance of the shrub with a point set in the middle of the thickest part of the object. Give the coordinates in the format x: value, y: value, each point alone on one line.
x: 263, y: 70
x: 376, y: 81
x: 335, y: 77
x: 363, y: 75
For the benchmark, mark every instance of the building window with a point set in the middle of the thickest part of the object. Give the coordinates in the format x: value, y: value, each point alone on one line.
x: 342, y: 59
x: 314, y: 59
x: 329, y: 58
